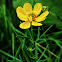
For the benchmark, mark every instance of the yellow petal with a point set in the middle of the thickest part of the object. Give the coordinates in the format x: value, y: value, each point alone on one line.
x: 30, y: 18
x: 21, y: 14
x: 36, y: 23
x: 39, y: 20
x: 37, y: 9
x: 42, y: 16
x: 25, y: 25
x: 28, y: 8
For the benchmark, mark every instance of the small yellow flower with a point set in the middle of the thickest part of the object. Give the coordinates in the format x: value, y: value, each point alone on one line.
x: 29, y: 15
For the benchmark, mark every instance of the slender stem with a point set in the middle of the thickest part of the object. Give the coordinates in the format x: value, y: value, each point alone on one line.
x: 48, y: 51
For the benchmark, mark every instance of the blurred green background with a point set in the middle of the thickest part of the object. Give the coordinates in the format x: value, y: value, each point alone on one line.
x: 37, y: 44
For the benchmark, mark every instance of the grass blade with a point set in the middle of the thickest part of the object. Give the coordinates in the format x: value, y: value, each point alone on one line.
x: 13, y: 43
x: 48, y: 51
x: 36, y: 51
x: 26, y: 57
x: 42, y: 54
x: 38, y: 32
x: 9, y: 55
x: 46, y: 31
x: 20, y: 58
x: 18, y: 50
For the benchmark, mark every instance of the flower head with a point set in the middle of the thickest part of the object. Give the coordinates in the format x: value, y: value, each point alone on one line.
x: 30, y: 16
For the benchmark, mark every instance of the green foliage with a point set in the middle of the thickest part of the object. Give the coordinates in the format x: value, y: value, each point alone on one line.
x: 17, y: 3
x: 37, y: 44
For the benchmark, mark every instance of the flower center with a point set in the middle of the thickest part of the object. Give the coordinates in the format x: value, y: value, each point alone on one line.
x: 33, y: 16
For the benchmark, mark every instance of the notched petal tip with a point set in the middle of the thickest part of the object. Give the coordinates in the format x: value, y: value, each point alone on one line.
x: 21, y: 13
x: 37, y: 8
x: 28, y: 8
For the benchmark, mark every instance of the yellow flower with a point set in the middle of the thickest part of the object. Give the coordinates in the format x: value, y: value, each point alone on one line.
x: 29, y: 15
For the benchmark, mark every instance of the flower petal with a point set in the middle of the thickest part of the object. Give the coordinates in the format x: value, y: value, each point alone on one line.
x: 30, y: 18
x: 36, y: 23
x: 21, y: 14
x: 39, y: 20
x: 28, y: 8
x: 42, y: 16
x: 25, y: 25
x: 37, y: 9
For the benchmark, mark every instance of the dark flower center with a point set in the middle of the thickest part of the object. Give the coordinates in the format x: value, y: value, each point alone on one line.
x: 33, y: 16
